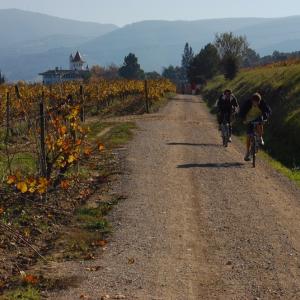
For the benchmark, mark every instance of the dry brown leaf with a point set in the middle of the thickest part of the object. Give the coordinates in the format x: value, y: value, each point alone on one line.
x: 101, y: 243
x: 131, y: 261
x: 30, y: 279
x: 94, y: 269
x: 119, y: 297
x: 90, y: 256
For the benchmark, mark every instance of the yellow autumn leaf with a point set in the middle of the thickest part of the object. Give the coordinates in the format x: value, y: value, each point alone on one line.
x: 63, y: 129
x: 22, y: 187
x: 43, y: 184
x: 71, y: 159
x: 101, y: 147
x: 11, y: 179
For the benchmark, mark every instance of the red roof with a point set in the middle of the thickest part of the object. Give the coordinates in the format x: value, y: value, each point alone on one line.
x: 78, y: 58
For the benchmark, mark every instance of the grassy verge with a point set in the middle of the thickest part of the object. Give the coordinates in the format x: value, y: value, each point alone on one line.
x: 29, y: 293
x: 292, y: 174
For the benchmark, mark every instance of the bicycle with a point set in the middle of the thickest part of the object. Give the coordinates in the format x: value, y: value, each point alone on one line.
x: 254, y: 142
x: 225, y: 130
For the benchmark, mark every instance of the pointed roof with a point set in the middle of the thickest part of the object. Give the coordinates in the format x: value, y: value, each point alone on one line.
x: 78, y: 58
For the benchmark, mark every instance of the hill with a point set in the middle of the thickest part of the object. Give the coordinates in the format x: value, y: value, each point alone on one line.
x: 159, y: 43
x: 28, y: 44
x: 156, y: 43
x: 25, y: 26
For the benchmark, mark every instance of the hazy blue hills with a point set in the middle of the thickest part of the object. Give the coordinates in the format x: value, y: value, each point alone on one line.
x: 36, y: 42
x: 18, y: 25
x: 160, y: 43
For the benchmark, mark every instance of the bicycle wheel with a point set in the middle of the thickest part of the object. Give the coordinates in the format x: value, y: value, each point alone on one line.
x: 225, y: 134
x: 253, y: 151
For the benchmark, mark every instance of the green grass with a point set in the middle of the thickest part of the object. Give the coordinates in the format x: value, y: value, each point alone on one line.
x: 119, y: 135
x: 96, y: 128
x: 292, y: 174
x: 29, y: 293
x: 24, y: 162
x: 94, y: 218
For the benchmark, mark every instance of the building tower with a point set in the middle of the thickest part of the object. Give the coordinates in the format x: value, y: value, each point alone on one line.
x: 76, y: 62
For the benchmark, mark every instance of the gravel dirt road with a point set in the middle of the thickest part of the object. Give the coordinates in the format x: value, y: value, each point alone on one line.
x: 198, y: 222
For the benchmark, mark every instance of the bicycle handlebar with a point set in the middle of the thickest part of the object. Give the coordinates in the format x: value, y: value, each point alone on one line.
x: 258, y: 122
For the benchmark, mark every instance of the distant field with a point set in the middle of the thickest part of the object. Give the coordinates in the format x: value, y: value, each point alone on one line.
x: 279, y: 85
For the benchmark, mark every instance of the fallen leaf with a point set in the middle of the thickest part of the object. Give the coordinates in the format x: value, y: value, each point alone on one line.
x: 89, y: 257
x: 119, y: 297
x: 27, y: 232
x: 65, y: 184
x: 94, y: 269
x: 30, y: 279
x: 131, y: 261
x: 101, y: 243
x: 101, y: 147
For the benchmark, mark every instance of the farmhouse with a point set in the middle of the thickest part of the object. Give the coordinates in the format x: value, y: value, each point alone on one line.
x: 77, y: 71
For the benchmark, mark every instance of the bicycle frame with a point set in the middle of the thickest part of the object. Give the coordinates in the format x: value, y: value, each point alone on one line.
x: 225, y: 130
x: 254, y: 144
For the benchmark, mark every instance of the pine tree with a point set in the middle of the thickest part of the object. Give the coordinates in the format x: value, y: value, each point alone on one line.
x: 2, y: 78
x: 131, y: 69
x: 187, y: 58
x: 205, y: 65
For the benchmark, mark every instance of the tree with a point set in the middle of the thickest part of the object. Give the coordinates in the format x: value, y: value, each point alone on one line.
x: 2, y: 78
x: 172, y: 73
x: 186, y: 60
x: 131, y: 69
x: 111, y: 72
x: 251, y: 58
x: 205, y: 65
x: 231, y: 50
x: 231, y: 66
x: 152, y: 75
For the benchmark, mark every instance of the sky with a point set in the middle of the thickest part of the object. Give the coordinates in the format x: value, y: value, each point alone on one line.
x: 121, y: 12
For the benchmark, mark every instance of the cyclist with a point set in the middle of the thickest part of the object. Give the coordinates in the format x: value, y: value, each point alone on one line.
x: 254, y: 110
x: 227, y: 105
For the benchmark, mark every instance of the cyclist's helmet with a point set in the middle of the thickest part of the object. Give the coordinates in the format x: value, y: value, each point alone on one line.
x: 256, y: 97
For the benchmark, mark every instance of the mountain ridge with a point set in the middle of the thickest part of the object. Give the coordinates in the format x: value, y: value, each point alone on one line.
x: 157, y: 43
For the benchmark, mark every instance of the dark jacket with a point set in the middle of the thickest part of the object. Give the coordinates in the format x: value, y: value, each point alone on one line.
x: 263, y: 106
x: 227, y: 106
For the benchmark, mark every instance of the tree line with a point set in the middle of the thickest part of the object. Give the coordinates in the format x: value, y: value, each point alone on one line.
x: 226, y: 55
x: 130, y: 69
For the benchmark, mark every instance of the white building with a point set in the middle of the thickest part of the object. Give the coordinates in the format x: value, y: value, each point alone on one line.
x: 77, y: 71
x: 76, y: 62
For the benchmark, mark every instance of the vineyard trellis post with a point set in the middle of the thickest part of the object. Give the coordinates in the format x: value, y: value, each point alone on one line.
x: 147, y: 96
x: 8, y: 129
x: 82, y: 112
x: 42, y: 137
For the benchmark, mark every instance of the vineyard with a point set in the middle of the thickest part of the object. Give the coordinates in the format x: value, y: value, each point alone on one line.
x: 47, y: 124
x: 44, y: 150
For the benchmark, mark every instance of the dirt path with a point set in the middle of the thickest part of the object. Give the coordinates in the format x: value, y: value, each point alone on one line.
x: 198, y: 222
